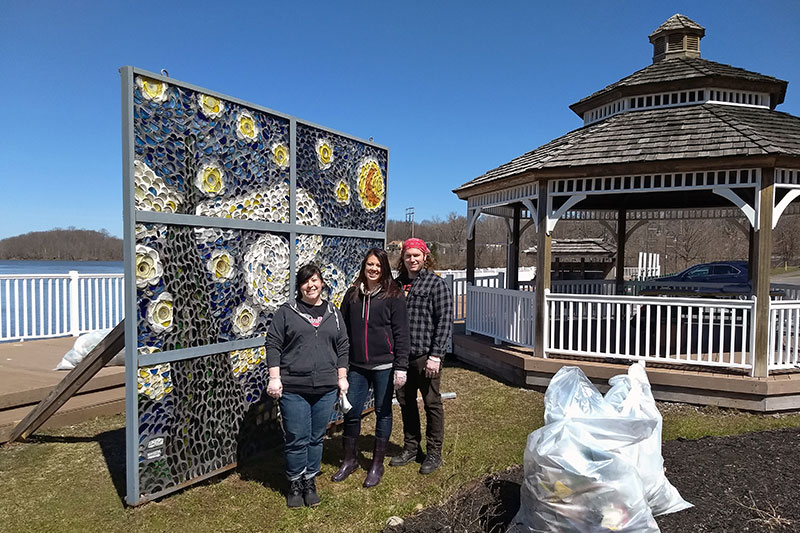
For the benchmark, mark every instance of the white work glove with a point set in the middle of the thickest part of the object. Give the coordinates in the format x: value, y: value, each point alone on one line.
x: 344, y: 386
x: 400, y: 378
x: 433, y: 366
x: 275, y: 387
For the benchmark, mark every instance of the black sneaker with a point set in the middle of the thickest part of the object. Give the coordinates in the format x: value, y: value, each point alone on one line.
x: 406, y: 456
x: 432, y: 461
x: 310, y: 495
x: 294, y: 498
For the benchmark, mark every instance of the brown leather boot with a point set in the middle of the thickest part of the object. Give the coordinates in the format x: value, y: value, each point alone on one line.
x: 350, y: 462
x: 376, y: 469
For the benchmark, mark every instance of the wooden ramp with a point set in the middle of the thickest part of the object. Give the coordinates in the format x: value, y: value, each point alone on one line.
x: 27, y: 377
x: 675, y: 383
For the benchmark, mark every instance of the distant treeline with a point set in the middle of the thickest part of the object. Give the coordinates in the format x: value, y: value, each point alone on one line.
x: 63, y: 245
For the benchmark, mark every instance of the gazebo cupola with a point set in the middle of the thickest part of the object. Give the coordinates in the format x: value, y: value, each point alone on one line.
x: 679, y: 36
x: 679, y: 77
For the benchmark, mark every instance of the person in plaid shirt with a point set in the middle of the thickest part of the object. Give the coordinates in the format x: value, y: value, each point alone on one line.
x: 430, y: 324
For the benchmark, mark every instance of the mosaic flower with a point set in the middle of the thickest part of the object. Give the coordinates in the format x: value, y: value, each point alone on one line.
x: 342, y: 192
x: 159, y: 313
x: 280, y: 154
x: 246, y: 128
x: 324, y: 153
x: 210, y: 179
x: 154, y: 381
x: 153, y: 89
x: 221, y: 265
x: 148, y: 266
x: 244, y: 320
x: 150, y: 191
x: 266, y: 272
x: 370, y: 184
x: 246, y: 360
x: 336, y: 280
x: 210, y: 105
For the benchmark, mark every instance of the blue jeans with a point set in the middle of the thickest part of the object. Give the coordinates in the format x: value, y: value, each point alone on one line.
x: 360, y: 380
x: 305, y: 418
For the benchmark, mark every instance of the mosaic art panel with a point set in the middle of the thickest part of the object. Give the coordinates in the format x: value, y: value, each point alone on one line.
x: 347, y: 178
x: 197, y: 154
x: 197, y: 416
x: 198, y: 286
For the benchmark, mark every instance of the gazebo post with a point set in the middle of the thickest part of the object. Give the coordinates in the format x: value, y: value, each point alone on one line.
x: 471, y: 257
x: 543, y: 259
x: 763, y: 264
x: 622, y: 219
x: 512, y: 259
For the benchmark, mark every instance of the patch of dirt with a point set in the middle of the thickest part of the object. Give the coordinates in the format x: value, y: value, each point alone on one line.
x: 744, y: 483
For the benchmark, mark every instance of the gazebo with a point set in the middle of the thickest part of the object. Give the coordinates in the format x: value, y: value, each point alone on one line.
x: 683, y: 138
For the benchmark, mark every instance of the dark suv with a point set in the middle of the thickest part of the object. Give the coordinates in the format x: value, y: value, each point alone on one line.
x: 727, y: 277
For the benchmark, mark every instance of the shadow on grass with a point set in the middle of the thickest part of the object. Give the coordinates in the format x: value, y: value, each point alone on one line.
x: 112, y: 446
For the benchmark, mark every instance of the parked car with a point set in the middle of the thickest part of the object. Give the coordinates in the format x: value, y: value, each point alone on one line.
x: 718, y: 277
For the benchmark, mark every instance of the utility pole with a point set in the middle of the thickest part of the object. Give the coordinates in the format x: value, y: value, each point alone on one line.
x: 410, y: 219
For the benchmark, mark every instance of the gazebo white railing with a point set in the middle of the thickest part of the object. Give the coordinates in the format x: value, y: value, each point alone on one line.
x: 784, y: 329
x: 698, y: 331
x: 707, y: 332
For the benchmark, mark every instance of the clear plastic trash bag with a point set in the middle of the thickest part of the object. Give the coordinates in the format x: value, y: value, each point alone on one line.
x: 631, y: 396
x: 582, y: 466
x: 85, y: 344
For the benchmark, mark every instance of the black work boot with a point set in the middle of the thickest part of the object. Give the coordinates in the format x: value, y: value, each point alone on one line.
x: 433, y: 460
x: 406, y: 456
x: 350, y: 462
x: 310, y: 495
x: 376, y: 469
x: 294, y: 498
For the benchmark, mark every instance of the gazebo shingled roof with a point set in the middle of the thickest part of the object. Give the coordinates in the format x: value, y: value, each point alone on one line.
x: 707, y: 130
x: 677, y: 22
x: 685, y: 73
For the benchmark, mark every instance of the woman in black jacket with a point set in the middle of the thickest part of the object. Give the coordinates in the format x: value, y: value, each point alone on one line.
x: 375, y: 316
x: 307, y: 358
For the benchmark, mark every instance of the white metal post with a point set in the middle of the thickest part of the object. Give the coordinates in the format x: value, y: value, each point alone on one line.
x: 74, y: 321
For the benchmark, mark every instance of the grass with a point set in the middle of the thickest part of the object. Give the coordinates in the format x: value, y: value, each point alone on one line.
x: 72, y: 479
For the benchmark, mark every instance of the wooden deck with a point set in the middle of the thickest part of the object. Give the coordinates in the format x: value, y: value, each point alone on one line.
x: 670, y: 382
x: 27, y: 376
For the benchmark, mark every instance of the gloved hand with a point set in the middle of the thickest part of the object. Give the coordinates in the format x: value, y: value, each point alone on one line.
x: 433, y: 366
x: 275, y: 387
x: 344, y: 386
x: 400, y: 378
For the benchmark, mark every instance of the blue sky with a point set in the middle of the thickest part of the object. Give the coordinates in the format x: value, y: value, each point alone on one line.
x: 452, y: 88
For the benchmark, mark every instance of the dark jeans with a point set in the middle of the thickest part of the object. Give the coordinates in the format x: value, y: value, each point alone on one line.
x: 360, y: 380
x: 305, y: 418
x: 434, y: 412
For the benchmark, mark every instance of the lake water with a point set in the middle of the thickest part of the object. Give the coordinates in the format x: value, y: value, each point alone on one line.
x: 60, y: 267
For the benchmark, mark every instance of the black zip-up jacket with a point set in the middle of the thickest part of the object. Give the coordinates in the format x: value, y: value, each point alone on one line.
x: 308, y: 356
x: 377, y: 327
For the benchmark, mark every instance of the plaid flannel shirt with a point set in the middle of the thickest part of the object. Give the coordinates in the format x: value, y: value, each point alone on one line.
x: 430, y: 314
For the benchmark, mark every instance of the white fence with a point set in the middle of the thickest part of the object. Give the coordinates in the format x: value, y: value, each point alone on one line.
x: 784, y: 331
x: 503, y: 314
x: 56, y: 305
x: 666, y: 330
